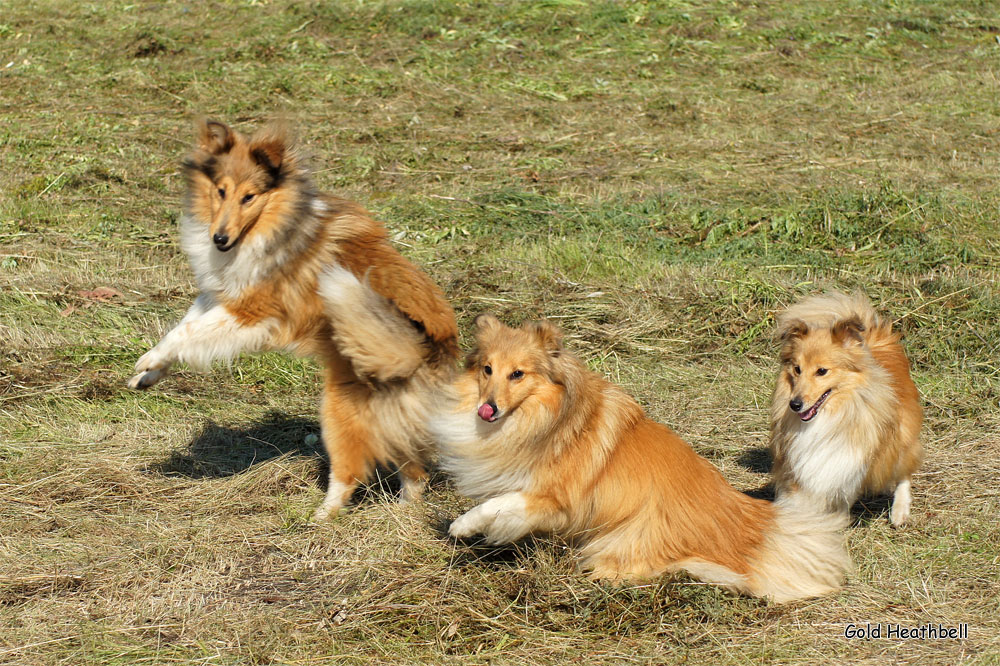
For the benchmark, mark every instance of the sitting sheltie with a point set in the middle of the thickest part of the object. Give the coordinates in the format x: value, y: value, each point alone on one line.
x: 845, y: 417
x: 554, y: 448
x: 270, y: 255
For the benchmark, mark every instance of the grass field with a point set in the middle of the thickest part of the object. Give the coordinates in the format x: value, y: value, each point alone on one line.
x: 660, y: 178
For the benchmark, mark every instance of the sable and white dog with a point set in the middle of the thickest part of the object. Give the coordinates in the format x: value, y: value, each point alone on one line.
x: 272, y: 257
x: 551, y: 447
x: 845, y: 415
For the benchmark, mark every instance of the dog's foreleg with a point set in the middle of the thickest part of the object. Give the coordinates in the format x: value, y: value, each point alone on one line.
x: 207, y: 333
x: 901, y: 501
x: 507, y: 518
x: 155, y: 364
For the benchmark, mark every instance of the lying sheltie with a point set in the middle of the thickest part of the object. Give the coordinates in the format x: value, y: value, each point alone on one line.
x: 845, y: 416
x: 270, y: 254
x: 554, y: 448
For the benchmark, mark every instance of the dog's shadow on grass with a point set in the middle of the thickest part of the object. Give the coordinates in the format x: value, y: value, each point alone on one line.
x: 475, y: 552
x: 218, y: 451
x: 758, y: 461
x: 870, y: 509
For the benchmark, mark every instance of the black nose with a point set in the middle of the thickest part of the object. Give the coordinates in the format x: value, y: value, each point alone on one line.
x: 220, y: 239
x: 795, y: 405
x: 493, y: 406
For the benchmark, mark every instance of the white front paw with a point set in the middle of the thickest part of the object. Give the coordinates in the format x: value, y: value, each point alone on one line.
x: 468, y: 524
x: 507, y: 527
x: 901, y: 499
x: 412, y: 490
x: 899, y: 513
x: 149, y: 369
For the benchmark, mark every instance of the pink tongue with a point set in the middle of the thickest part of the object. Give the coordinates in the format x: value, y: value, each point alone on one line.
x: 485, y: 412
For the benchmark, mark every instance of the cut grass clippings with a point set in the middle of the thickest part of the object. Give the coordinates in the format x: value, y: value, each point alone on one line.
x: 659, y: 178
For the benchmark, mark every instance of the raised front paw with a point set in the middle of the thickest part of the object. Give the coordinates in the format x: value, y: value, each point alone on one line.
x: 149, y: 369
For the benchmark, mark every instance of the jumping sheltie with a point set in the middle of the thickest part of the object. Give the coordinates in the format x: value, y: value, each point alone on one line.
x: 271, y: 254
x: 845, y: 416
x: 554, y: 448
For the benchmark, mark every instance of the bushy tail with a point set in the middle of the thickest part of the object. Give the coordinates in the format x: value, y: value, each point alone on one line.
x: 803, y: 555
x: 381, y: 343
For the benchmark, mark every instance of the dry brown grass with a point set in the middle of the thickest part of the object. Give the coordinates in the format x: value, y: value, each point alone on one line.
x: 658, y: 177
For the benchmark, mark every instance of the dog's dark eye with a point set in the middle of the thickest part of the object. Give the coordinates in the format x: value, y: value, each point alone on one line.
x: 517, y: 374
x: 222, y: 193
x: 821, y: 371
x: 487, y: 369
x: 248, y: 198
x: 798, y: 370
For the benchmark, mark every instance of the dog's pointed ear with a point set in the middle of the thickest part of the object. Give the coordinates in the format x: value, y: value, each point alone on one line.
x: 848, y: 332
x: 548, y: 335
x: 214, y: 137
x: 791, y: 329
x: 271, y: 148
x: 486, y: 322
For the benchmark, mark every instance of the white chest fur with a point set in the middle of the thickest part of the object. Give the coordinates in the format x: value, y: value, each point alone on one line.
x: 826, y: 464
x: 472, y: 453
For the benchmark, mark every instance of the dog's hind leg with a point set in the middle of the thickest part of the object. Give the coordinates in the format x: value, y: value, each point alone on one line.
x: 414, y: 478
x: 208, y: 332
x: 347, y: 439
x: 901, y: 501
